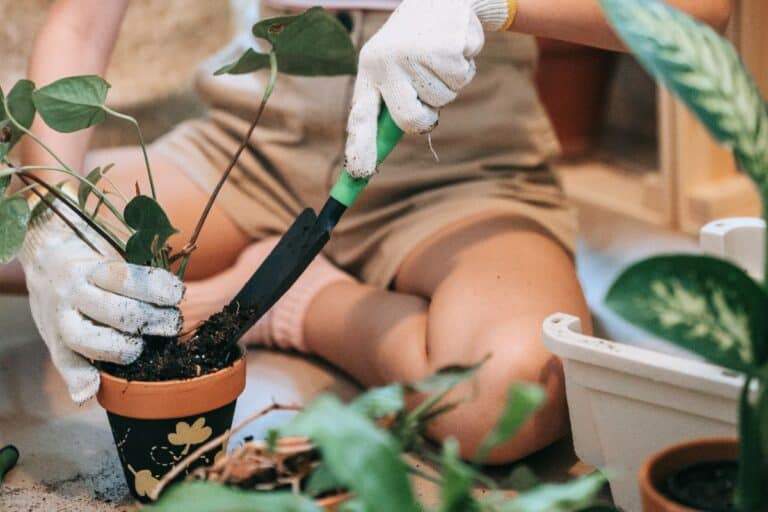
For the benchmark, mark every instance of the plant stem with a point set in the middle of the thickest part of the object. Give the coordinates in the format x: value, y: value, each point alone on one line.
x: 55, y: 210
x: 135, y: 123
x: 58, y: 195
x: 243, y: 143
x: 94, y: 189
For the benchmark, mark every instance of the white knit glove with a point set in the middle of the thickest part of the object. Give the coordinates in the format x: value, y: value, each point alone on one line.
x: 417, y: 63
x: 92, y: 307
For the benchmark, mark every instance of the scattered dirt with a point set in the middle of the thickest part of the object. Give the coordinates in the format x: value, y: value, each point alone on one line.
x: 212, y: 348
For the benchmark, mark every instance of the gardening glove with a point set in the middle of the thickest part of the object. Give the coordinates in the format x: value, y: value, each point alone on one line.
x: 417, y: 63
x: 89, y: 306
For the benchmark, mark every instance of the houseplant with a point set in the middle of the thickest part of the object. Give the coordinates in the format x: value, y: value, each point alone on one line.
x: 354, y: 460
x: 704, y: 304
x: 206, y: 373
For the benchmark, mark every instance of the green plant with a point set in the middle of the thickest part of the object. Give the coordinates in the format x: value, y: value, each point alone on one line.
x: 362, y: 446
x: 9, y: 455
x: 312, y: 43
x: 705, y: 304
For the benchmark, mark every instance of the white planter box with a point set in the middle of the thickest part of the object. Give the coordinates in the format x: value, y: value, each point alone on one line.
x: 628, y: 402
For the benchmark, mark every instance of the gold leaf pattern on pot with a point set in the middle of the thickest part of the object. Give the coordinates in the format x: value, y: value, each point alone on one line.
x: 190, y: 434
x: 143, y: 481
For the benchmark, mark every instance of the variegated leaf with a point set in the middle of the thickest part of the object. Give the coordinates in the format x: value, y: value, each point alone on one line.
x: 703, y: 70
x: 703, y: 304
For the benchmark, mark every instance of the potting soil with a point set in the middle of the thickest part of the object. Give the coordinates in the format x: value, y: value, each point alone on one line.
x: 212, y: 348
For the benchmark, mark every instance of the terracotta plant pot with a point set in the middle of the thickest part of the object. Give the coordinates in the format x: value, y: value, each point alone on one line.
x: 658, y: 469
x: 573, y: 83
x: 157, y: 424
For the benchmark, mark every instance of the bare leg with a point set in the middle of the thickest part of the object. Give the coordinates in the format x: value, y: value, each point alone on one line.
x: 481, y: 287
x: 221, y: 239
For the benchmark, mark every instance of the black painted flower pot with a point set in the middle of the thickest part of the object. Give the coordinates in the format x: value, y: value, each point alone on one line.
x: 157, y: 424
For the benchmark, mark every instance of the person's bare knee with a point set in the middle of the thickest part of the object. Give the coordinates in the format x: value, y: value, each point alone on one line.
x: 516, y: 356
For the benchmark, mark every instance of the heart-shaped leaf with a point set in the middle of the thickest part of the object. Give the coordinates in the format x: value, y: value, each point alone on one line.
x: 314, y: 43
x: 22, y: 109
x: 703, y: 304
x: 93, y: 178
x: 72, y: 103
x: 14, y: 218
x: 152, y: 227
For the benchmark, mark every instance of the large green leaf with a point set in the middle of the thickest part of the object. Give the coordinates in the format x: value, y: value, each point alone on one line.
x: 21, y: 108
x: 566, y: 497
x: 522, y: 401
x: 703, y: 70
x: 152, y: 227
x: 703, y: 304
x: 72, y: 103
x: 380, y: 402
x: 313, y: 43
x: 213, y: 497
x: 14, y: 217
x: 365, y: 458
x: 456, y: 481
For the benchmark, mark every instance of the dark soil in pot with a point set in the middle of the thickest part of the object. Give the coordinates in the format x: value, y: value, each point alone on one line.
x: 697, y: 475
x: 209, y: 350
x: 708, y: 486
x: 157, y: 424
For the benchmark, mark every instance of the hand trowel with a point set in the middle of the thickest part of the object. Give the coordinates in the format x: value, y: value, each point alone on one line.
x: 307, y: 236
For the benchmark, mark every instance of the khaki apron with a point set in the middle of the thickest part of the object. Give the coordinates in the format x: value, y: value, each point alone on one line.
x: 494, y: 144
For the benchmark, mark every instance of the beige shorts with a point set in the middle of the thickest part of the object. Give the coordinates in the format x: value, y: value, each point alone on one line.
x: 494, y: 145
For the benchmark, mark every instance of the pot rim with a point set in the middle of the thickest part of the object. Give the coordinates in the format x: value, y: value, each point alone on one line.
x: 172, y: 398
x: 651, y: 494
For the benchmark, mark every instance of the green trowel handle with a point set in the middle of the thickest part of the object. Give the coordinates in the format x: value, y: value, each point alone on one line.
x: 388, y: 135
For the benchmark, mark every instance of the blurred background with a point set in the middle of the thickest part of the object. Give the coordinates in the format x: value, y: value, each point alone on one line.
x: 160, y: 46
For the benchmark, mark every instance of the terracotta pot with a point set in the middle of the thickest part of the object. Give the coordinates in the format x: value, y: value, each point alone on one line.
x: 665, y: 463
x: 331, y: 503
x: 573, y: 83
x: 157, y: 424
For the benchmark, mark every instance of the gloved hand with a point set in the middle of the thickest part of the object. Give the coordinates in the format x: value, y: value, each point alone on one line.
x: 417, y: 63
x: 89, y: 306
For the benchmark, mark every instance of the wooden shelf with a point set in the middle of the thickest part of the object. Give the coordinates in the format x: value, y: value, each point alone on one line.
x: 612, y: 187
